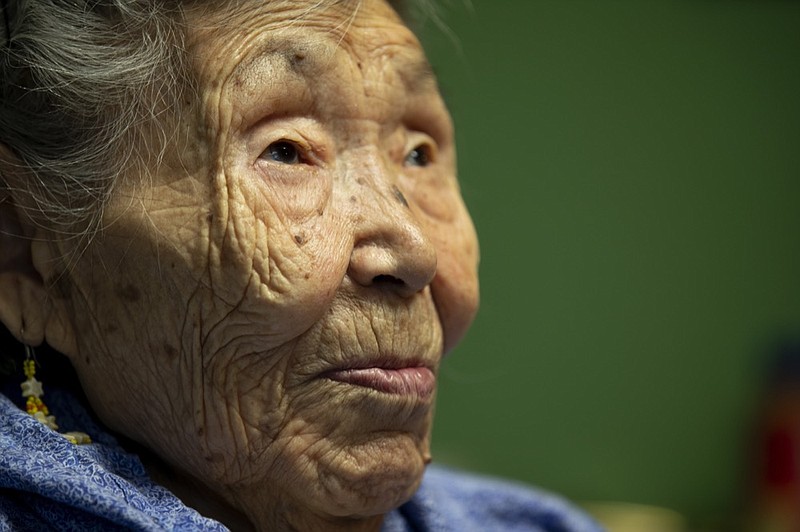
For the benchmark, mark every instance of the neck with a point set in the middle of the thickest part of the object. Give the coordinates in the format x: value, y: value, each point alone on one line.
x: 193, y: 493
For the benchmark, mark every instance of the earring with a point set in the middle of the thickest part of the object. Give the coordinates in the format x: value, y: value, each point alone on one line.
x: 32, y: 389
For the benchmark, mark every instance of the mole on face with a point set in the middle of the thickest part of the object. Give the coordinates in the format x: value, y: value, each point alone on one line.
x: 399, y: 196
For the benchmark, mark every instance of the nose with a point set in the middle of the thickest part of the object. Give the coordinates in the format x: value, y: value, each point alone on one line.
x: 391, y: 250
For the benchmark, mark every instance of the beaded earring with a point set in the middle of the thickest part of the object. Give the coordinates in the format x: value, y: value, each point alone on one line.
x: 32, y: 389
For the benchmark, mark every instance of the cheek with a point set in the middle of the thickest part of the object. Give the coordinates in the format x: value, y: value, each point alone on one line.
x: 310, y: 261
x: 288, y: 247
x: 455, y: 286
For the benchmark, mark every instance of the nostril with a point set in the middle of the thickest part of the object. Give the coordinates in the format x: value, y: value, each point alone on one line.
x: 392, y: 253
x: 387, y: 280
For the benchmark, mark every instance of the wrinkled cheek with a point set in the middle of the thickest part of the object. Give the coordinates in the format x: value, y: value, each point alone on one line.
x: 303, y: 281
x: 281, y: 260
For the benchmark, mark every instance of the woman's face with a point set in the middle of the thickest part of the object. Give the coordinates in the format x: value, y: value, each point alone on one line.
x: 268, y: 309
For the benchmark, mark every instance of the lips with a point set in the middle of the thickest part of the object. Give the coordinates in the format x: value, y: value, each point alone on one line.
x: 413, y: 381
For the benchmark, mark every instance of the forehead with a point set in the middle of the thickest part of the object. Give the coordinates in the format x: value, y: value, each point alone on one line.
x: 305, y: 38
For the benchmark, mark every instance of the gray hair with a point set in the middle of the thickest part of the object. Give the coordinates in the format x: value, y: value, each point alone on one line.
x: 74, y: 80
x: 83, y: 84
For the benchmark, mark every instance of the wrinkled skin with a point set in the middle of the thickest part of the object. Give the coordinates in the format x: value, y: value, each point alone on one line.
x: 310, y: 220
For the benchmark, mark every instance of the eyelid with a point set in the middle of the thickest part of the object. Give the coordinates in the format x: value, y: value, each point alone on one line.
x: 306, y: 133
x: 428, y: 115
x: 306, y: 150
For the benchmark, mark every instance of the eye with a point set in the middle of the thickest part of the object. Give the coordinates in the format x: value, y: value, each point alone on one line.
x: 283, y: 152
x: 420, y: 156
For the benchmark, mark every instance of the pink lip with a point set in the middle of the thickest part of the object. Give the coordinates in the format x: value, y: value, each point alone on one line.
x: 419, y: 381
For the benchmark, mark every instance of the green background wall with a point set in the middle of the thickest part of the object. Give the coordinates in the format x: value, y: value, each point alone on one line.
x: 633, y: 169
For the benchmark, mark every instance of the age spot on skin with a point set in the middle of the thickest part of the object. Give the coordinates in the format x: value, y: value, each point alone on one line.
x: 399, y: 196
x: 296, y: 59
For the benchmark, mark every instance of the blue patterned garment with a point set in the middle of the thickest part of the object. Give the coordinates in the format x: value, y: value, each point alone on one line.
x: 47, y: 483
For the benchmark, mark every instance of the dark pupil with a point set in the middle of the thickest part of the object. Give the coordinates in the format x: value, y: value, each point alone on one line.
x: 284, y: 152
x: 419, y: 156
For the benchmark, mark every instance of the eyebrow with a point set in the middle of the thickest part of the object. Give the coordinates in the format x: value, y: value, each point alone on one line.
x: 420, y: 74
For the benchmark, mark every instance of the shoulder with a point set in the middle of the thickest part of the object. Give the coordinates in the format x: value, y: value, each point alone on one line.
x: 47, y: 483
x: 451, y: 500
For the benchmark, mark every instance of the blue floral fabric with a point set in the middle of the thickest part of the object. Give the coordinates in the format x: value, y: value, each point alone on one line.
x: 47, y: 483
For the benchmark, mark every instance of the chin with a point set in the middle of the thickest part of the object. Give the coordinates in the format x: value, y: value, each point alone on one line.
x: 374, y: 477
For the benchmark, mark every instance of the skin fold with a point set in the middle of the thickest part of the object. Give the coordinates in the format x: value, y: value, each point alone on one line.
x: 306, y: 219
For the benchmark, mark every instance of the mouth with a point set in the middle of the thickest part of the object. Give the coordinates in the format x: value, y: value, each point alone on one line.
x: 417, y: 381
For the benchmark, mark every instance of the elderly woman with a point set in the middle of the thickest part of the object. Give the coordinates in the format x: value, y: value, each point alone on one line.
x: 239, y: 222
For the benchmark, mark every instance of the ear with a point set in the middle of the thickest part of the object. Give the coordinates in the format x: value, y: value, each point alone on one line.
x: 30, y: 309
